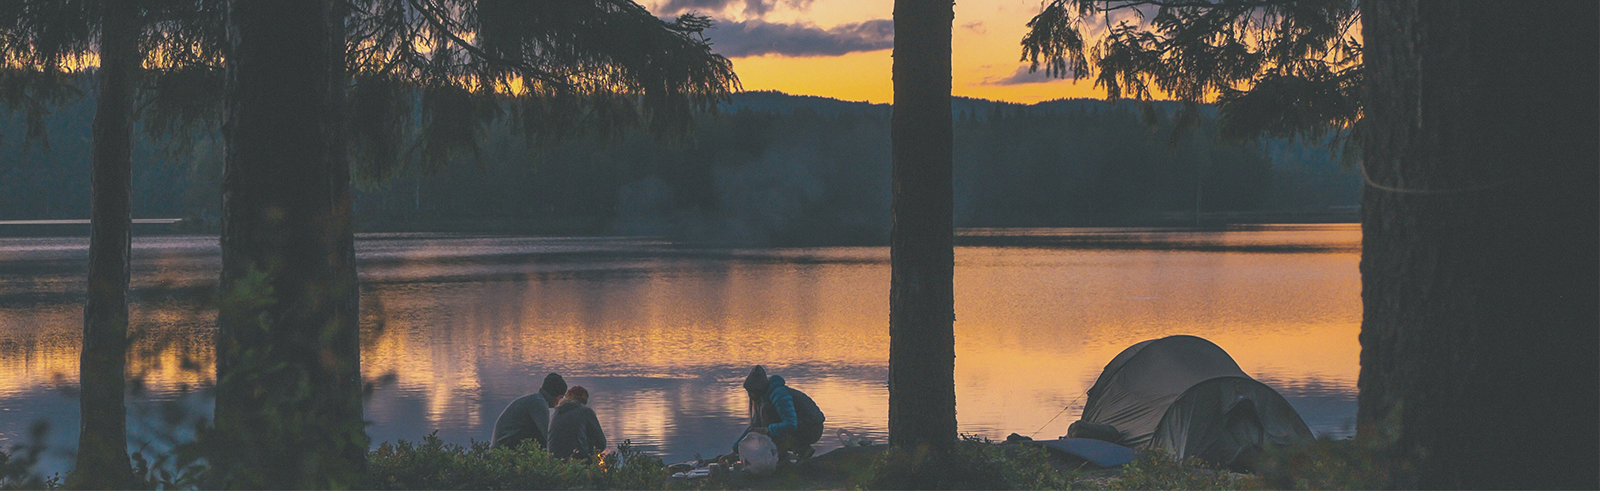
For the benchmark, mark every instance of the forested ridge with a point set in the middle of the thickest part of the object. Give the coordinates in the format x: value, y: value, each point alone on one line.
x: 769, y: 169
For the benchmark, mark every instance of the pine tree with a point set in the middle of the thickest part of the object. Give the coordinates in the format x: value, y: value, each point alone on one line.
x: 44, y: 44
x: 301, y: 76
x: 922, y: 399
x: 1474, y: 123
x: 1479, y: 255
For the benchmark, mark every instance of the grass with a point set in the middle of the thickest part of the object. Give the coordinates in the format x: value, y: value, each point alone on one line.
x: 434, y: 464
x: 1157, y: 470
x: 976, y: 464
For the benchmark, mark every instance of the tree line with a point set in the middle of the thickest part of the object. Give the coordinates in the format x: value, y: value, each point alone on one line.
x: 766, y: 169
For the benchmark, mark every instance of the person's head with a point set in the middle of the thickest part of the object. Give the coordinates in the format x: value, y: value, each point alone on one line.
x: 554, y: 387
x: 577, y: 394
x: 755, y: 384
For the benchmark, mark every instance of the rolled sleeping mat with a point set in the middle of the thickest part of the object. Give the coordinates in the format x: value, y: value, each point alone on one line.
x: 1094, y: 431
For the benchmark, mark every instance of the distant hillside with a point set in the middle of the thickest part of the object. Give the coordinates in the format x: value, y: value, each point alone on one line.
x: 779, y: 102
x: 771, y: 169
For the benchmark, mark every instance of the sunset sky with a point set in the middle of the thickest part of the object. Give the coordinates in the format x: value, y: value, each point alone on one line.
x: 841, y: 48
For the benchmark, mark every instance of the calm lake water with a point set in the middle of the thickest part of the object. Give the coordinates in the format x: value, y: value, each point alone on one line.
x: 455, y: 327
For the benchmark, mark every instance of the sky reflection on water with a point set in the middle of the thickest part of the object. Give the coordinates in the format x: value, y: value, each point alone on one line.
x: 662, y: 334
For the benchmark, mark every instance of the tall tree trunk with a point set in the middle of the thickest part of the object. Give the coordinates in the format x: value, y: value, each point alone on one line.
x: 922, y: 396
x: 288, y: 367
x: 1479, y: 262
x: 102, y: 438
x: 347, y: 345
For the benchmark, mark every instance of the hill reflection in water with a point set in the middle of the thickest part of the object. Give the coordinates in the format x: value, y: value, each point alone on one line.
x: 662, y: 334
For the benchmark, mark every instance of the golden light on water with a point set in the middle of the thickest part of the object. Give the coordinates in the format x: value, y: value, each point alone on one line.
x: 662, y: 337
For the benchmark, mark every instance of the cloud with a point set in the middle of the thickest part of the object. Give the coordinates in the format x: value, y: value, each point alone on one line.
x: 756, y: 37
x: 976, y: 27
x: 752, y: 8
x: 1022, y: 77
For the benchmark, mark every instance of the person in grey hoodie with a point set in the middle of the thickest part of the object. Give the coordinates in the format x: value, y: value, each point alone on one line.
x: 528, y: 417
x: 574, y: 430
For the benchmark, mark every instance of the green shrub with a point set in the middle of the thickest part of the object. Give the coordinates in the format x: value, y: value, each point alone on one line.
x: 975, y: 464
x: 1157, y: 470
x: 15, y: 474
x: 1359, y: 463
x: 16, y: 465
x: 434, y: 464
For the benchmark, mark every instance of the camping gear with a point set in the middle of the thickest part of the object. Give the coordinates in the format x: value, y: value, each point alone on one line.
x: 1097, y: 452
x: 1096, y: 431
x: 850, y: 439
x: 1185, y: 395
x: 758, y: 453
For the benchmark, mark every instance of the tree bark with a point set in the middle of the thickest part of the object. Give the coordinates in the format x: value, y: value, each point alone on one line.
x: 922, y: 398
x: 102, y: 460
x: 1480, y: 225
x: 288, y: 366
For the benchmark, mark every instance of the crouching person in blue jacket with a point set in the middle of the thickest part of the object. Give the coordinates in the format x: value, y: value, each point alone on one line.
x: 798, y: 421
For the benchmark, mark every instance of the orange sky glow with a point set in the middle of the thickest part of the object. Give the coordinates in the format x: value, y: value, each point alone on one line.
x: 985, y: 56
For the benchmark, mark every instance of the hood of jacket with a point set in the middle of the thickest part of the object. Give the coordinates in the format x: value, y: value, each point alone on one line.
x: 774, y: 381
x: 568, y: 406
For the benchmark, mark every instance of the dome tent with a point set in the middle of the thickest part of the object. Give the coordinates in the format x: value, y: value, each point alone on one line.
x: 1185, y: 394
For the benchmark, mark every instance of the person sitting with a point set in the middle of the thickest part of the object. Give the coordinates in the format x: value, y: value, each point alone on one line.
x: 574, y: 430
x: 528, y: 417
x: 799, y: 420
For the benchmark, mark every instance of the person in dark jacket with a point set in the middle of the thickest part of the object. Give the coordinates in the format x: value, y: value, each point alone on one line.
x: 574, y: 430
x: 798, y: 423
x: 528, y: 417
x: 761, y: 411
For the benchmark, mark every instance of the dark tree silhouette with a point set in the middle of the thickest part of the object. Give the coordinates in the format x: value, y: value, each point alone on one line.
x: 1276, y: 67
x: 102, y: 437
x: 922, y: 398
x: 288, y: 408
x: 288, y: 370
x: 555, y: 69
x: 44, y: 42
x: 1476, y: 123
x: 1479, y: 258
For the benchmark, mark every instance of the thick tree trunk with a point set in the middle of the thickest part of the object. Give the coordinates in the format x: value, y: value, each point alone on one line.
x: 102, y: 438
x: 922, y: 397
x: 347, y: 344
x: 1479, y: 264
x: 288, y: 366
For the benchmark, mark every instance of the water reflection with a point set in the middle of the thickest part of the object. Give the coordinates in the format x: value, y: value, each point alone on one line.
x: 662, y: 334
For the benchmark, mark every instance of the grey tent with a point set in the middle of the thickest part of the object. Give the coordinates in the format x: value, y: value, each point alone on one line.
x: 1185, y: 394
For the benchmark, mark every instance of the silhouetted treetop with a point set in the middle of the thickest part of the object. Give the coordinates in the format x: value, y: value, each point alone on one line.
x: 1276, y: 67
x: 554, y: 69
x: 44, y: 44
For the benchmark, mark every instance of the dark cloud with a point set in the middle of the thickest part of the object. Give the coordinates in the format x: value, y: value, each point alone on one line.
x: 756, y: 37
x: 752, y: 8
x: 976, y: 27
x: 1022, y: 77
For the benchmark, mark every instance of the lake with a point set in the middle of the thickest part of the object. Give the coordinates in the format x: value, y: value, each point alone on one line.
x: 455, y: 327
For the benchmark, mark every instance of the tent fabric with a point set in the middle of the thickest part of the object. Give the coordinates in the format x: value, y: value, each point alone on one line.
x: 1222, y: 420
x: 1097, y: 452
x: 1186, y: 395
